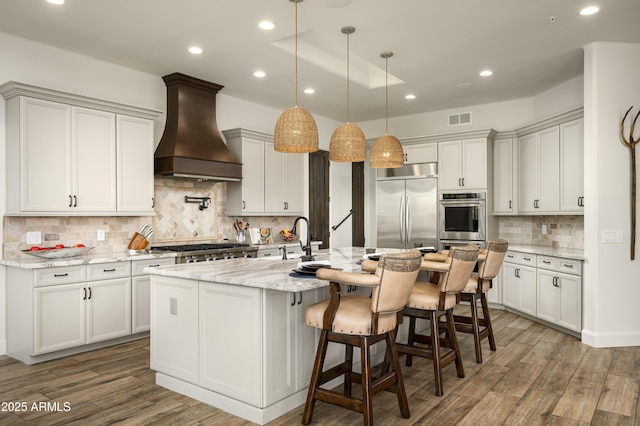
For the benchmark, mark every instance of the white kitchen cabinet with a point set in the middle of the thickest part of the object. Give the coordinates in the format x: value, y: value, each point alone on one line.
x: 539, y: 172
x: 62, y: 151
x: 290, y: 345
x: 231, y: 314
x: 135, y: 165
x: 75, y: 314
x: 283, y: 182
x: 572, y: 167
x: 503, y: 177
x: 462, y: 165
x: 140, y: 292
x: 272, y: 182
x: 420, y: 153
x: 174, y: 318
x: 560, y: 293
x: 519, y: 282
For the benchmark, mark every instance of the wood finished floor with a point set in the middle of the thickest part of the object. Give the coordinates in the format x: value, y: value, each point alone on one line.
x: 537, y: 376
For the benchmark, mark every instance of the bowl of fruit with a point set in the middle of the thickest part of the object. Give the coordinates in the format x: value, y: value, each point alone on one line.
x: 58, y: 251
x: 286, y: 235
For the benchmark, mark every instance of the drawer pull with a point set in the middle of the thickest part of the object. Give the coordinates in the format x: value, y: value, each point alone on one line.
x: 566, y: 265
x: 546, y: 262
x: 528, y: 259
x: 154, y: 266
x: 109, y: 270
x: 61, y: 275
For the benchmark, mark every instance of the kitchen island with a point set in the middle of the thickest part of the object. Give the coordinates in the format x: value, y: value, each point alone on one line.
x: 232, y: 333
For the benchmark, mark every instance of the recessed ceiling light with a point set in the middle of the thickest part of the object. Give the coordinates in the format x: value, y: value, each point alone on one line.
x: 266, y: 25
x: 309, y: 91
x: 259, y: 74
x: 410, y: 96
x: 589, y: 10
x: 195, y: 50
x: 56, y: 1
x: 486, y: 73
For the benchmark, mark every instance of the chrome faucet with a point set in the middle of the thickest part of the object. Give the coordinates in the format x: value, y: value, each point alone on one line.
x: 307, y: 249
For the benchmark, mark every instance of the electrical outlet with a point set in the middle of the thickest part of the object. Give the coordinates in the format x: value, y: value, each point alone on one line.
x: 544, y: 228
x: 173, y: 306
x: 101, y: 235
x: 34, y: 237
x: 612, y: 236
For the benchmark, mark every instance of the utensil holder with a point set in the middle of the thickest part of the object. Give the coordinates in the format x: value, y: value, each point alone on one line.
x: 241, y: 236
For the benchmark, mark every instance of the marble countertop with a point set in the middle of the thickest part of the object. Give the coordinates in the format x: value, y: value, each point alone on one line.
x: 32, y: 262
x: 268, y: 273
x: 567, y: 253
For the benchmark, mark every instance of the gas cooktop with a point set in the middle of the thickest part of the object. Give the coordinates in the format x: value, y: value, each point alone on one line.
x: 198, y: 247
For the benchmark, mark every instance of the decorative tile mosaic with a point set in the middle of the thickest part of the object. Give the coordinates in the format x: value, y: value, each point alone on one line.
x: 562, y: 231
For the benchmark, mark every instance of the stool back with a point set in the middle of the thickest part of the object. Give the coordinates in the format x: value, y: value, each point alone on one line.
x: 496, y: 251
x: 398, y: 273
x: 462, y: 259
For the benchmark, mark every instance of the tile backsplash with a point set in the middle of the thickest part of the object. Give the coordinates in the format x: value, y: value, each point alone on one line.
x: 175, y: 222
x: 561, y: 231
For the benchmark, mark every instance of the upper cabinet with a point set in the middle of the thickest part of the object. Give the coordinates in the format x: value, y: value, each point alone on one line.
x: 272, y: 182
x: 539, y: 172
x: 462, y: 165
x: 572, y: 166
x: 72, y: 155
x: 420, y: 153
x: 503, y: 176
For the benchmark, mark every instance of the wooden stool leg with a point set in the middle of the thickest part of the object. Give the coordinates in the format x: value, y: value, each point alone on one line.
x: 487, y: 321
x: 435, y: 345
x: 314, y: 383
x: 475, y: 327
x: 451, y: 331
x: 410, y: 339
x: 367, y: 407
x: 348, y: 357
x: 395, y: 362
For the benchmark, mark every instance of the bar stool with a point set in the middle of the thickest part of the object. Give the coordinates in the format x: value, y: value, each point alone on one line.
x: 362, y: 321
x: 477, y: 287
x: 433, y: 301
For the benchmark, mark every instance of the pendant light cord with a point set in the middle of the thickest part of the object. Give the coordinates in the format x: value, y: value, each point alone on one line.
x: 296, y: 53
x: 386, y: 95
x: 348, y: 80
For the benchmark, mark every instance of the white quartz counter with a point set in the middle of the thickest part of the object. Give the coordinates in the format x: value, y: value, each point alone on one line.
x: 31, y: 262
x: 567, y: 253
x: 268, y: 273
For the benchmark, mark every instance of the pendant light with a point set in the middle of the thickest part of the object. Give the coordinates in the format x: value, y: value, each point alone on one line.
x: 386, y: 152
x: 347, y: 141
x: 296, y: 130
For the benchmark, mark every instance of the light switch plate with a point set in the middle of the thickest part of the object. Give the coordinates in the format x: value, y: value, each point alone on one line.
x: 34, y: 237
x: 612, y: 236
x: 100, y: 236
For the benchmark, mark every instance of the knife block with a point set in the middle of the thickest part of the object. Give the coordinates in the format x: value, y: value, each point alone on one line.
x: 138, y: 242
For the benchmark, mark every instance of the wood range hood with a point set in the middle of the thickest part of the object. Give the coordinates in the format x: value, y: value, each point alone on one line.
x: 191, y: 146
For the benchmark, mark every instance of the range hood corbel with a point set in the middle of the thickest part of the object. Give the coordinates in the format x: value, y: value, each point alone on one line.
x: 191, y: 146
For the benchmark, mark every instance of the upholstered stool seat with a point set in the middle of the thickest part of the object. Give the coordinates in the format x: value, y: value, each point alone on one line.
x: 433, y: 301
x: 476, y: 290
x: 362, y: 321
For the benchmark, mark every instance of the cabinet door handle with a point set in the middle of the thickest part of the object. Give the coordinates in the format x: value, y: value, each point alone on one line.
x: 75, y: 201
x: 61, y: 275
x: 406, y: 158
x: 300, y: 301
x: 293, y: 302
x: 459, y: 181
x: 85, y: 293
x: 70, y: 201
x: 244, y: 205
x: 109, y: 270
x: 509, y: 203
x: 462, y: 181
x: 153, y: 202
x: 89, y: 293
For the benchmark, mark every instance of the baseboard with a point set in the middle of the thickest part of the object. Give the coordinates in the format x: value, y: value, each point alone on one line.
x: 615, y: 339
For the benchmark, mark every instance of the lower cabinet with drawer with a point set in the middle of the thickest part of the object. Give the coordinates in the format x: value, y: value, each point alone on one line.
x: 58, y: 311
x: 545, y: 287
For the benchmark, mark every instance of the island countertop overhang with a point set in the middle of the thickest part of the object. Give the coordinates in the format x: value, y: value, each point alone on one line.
x: 272, y: 274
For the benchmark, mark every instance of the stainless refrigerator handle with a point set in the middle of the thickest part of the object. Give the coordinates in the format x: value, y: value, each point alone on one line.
x: 408, y: 219
x: 401, y: 219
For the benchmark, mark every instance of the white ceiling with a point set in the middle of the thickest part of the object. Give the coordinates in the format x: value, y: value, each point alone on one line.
x: 439, y: 46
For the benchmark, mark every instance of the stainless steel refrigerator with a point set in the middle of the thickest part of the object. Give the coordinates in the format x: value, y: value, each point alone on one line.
x: 407, y: 206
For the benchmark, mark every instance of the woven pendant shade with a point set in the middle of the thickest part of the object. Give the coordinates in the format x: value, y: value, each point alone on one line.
x: 347, y: 141
x: 348, y: 144
x: 296, y: 131
x: 386, y: 153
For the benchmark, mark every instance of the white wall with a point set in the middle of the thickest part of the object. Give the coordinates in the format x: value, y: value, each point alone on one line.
x: 611, y: 279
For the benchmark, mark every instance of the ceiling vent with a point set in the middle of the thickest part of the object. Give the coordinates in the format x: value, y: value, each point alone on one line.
x: 459, y: 119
